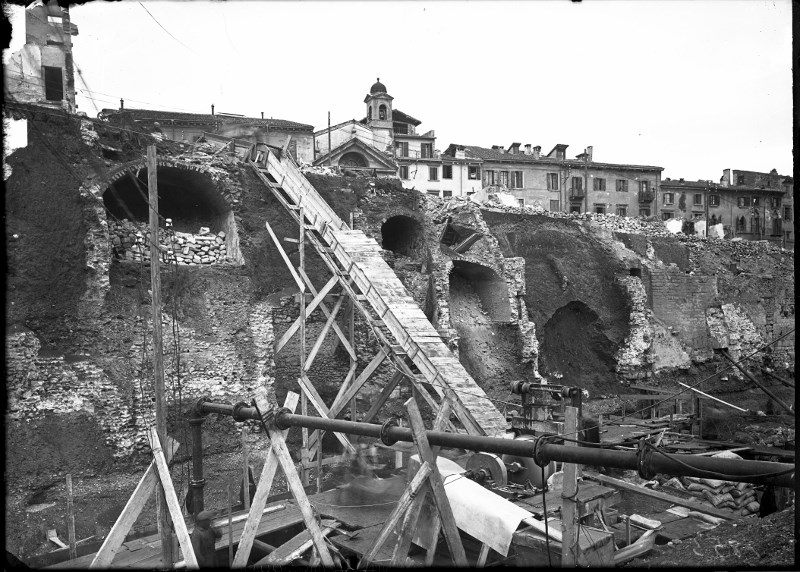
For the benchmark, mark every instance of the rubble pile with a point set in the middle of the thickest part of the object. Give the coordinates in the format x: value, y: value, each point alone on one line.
x: 186, y: 248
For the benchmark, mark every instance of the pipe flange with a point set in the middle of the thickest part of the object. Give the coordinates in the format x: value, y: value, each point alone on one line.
x: 198, y: 483
x: 643, y: 458
x: 385, y: 438
x: 237, y: 411
x: 537, y: 455
x: 279, y: 415
x: 198, y: 406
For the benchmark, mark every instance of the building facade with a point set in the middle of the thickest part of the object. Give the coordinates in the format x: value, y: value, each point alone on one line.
x: 387, y: 142
x: 42, y: 71
x: 558, y: 184
x: 189, y: 127
x: 749, y: 204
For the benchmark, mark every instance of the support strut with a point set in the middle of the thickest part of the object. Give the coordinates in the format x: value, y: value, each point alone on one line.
x: 541, y: 449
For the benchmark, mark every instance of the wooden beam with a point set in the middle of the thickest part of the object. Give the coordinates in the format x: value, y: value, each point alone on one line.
x: 73, y: 549
x: 322, y: 409
x: 262, y: 489
x: 322, y: 335
x: 699, y: 507
x: 413, y: 487
x: 131, y: 511
x: 449, y: 527
x: 712, y: 397
x: 387, y: 391
x: 245, y: 469
x: 569, y: 512
x: 484, y: 554
x: 345, y: 284
x: 318, y: 298
x: 300, y: 284
x: 172, y: 503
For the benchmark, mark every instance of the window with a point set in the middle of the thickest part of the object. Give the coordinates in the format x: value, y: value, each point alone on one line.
x: 575, y: 208
x: 447, y: 171
x: 698, y: 199
x: 622, y: 210
x: 599, y: 184
x: 53, y: 84
x: 404, y: 172
x: 644, y: 186
x: 622, y: 185
x: 577, y: 184
x: 488, y: 178
x: 521, y: 202
x: 504, y: 178
x: 787, y: 213
x: 555, y: 206
x: 777, y: 226
x: 433, y: 193
x: 756, y: 201
x: 669, y: 198
x: 740, y: 179
x: 644, y: 211
x: 433, y: 173
x: 402, y: 147
x: 756, y: 225
x: 666, y: 215
x: 552, y: 181
x: 447, y: 194
x: 427, y: 150
x: 382, y: 112
x: 743, y: 202
x: 741, y: 224
x: 369, y: 113
x: 600, y: 209
x: 776, y: 202
x: 713, y: 200
x: 516, y: 179
x: 473, y: 172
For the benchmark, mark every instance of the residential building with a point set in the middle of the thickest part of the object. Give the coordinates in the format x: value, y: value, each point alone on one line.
x: 42, y: 71
x: 189, y: 127
x: 386, y: 142
x: 749, y: 204
x: 556, y: 183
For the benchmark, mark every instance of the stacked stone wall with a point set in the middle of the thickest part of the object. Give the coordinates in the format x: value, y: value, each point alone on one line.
x: 185, y: 248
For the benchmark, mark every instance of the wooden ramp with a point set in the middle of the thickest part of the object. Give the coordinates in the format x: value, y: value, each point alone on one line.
x: 357, y: 260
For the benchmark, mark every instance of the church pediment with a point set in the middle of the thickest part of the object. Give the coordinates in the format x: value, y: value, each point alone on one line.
x: 354, y: 153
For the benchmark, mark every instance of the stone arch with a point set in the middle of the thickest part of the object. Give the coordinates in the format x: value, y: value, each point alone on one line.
x: 402, y: 235
x: 489, y: 286
x: 353, y: 159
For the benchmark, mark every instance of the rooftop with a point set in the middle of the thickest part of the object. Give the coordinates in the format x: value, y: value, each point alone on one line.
x: 155, y: 115
x: 473, y: 151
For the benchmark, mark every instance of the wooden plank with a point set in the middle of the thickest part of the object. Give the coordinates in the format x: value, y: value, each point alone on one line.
x: 285, y: 257
x: 712, y: 397
x: 282, y: 453
x: 245, y: 470
x: 342, y: 338
x: 699, y: 507
x: 262, y: 490
x: 414, y: 486
x: 311, y: 392
x: 568, y: 508
x: 172, y: 502
x: 484, y: 554
x: 133, y: 508
x: 385, y: 393
x: 294, y: 548
x: 322, y: 335
x: 73, y: 549
x: 449, y: 527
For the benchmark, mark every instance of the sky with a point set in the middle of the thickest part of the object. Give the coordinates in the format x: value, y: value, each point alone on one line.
x: 691, y: 86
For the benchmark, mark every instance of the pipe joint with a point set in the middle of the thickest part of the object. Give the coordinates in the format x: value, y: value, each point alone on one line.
x: 279, y: 416
x: 198, y: 407
x: 644, y: 456
x: 386, y: 438
x: 538, y: 454
x: 238, y: 414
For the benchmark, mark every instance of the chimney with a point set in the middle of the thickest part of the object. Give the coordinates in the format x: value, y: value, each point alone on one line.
x: 212, y: 109
x: 121, y: 104
x: 513, y: 149
x: 528, y: 148
x: 262, y: 115
x: 589, y: 151
x: 537, y: 151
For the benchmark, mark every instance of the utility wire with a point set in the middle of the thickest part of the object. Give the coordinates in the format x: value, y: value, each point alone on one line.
x: 167, y: 31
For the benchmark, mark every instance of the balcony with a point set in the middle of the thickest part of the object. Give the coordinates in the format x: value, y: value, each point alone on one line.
x: 576, y: 194
x: 416, y: 154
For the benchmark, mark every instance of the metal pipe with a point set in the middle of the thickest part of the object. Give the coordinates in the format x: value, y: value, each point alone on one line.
x: 197, y: 482
x: 651, y: 461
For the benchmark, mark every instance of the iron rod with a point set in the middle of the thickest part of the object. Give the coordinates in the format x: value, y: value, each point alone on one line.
x: 675, y: 464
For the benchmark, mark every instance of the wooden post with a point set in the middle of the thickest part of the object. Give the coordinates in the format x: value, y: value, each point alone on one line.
x: 73, y: 549
x: 304, y: 452
x: 230, y: 525
x: 628, y: 530
x: 569, y: 542
x: 329, y: 140
x: 164, y: 524
x: 484, y: 554
x: 245, y: 469
x: 320, y: 434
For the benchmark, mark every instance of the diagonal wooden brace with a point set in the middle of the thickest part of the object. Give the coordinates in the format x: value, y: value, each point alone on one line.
x: 318, y: 298
x: 262, y: 492
x: 133, y: 508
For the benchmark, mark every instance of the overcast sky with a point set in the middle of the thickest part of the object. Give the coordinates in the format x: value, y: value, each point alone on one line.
x: 694, y: 87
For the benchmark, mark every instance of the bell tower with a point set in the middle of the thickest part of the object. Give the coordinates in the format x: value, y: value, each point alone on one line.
x: 379, y: 114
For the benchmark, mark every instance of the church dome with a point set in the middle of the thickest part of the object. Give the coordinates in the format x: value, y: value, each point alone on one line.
x: 377, y: 87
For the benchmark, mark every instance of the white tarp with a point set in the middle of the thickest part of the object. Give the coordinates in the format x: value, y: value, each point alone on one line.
x: 700, y: 228
x: 479, y: 512
x: 716, y: 231
x: 674, y: 225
